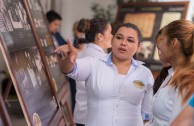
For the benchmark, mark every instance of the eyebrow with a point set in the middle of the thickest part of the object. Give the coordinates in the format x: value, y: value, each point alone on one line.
x: 127, y: 36
x: 119, y: 34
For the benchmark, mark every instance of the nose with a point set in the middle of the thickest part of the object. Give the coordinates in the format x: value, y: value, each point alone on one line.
x: 123, y: 42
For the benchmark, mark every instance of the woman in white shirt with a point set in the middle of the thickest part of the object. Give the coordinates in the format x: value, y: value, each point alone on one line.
x: 175, y: 45
x: 98, y: 34
x: 186, y: 117
x: 119, y: 88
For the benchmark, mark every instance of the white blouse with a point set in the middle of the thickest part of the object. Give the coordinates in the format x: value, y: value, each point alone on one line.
x: 113, y: 101
x: 166, y: 104
x: 80, y: 111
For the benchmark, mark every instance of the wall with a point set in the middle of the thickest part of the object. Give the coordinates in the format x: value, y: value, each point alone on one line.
x: 190, y: 13
x: 74, y: 10
x: 46, y: 5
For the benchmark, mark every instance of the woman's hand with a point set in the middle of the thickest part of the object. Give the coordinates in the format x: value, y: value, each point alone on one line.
x: 68, y: 52
x: 68, y: 57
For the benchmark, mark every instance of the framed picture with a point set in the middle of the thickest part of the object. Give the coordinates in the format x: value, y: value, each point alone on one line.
x: 150, y: 17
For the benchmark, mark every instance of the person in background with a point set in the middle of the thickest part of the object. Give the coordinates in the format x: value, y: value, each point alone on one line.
x: 77, y: 36
x: 98, y: 34
x: 82, y: 44
x: 54, y: 20
x: 186, y: 117
x: 119, y: 88
x: 175, y: 46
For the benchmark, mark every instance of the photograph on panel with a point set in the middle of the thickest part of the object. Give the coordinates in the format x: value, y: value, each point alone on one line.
x: 145, y: 22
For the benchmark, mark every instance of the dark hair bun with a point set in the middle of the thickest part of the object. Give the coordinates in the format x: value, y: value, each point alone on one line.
x: 83, y: 25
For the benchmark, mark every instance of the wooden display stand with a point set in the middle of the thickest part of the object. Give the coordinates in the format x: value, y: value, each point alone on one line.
x: 4, y: 117
x: 30, y: 64
x: 42, y: 34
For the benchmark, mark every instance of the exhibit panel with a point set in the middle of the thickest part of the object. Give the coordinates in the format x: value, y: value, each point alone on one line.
x: 26, y: 67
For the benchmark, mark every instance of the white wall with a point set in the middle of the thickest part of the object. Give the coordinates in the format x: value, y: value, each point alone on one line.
x: 46, y: 5
x: 190, y: 12
x: 74, y: 10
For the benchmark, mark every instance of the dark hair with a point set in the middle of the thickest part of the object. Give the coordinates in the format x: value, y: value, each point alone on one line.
x: 82, y: 41
x: 92, y: 27
x: 159, y: 33
x: 52, y: 15
x: 129, y: 25
x: 160, y: 78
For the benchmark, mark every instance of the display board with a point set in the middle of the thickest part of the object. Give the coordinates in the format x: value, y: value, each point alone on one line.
x: 150, y: 17
x: 46, y: 43
x: 44, y: 38
x: 26, y: 66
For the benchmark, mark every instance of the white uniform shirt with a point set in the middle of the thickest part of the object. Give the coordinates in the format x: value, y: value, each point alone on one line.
x: 111, y: 103
x: 166, y: 103
x: 80, y: 111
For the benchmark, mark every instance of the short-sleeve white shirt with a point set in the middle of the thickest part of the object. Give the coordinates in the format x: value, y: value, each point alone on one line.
x: 166, y: 103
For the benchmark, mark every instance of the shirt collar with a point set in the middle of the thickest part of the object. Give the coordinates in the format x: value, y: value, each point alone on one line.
x: 108, y: 60
x: 92, y: 45
x: 171, y: 71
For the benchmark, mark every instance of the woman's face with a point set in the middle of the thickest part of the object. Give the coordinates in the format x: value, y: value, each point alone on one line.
x: 107, y: 36
x: 125, y: 43
x: 164, y: 51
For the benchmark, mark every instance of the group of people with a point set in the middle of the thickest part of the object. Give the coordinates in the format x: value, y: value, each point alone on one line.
x: 116, y: 89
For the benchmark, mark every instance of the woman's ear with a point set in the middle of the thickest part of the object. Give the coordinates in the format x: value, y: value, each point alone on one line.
x: 174, y: 43
x: 99, y: 36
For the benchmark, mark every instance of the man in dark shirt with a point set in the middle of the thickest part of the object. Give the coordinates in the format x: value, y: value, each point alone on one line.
x: 54, y: 20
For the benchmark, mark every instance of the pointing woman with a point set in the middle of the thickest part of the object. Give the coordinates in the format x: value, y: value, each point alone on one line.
x: 119, y: 88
